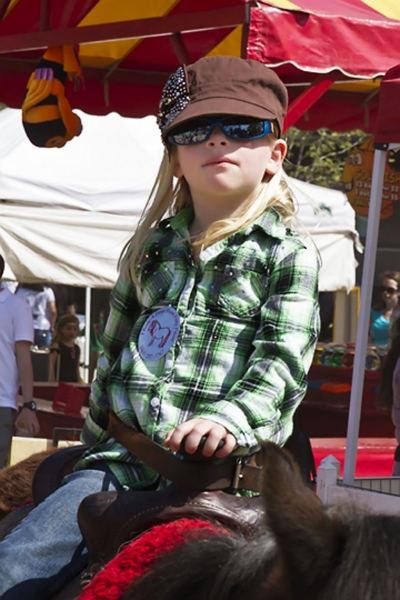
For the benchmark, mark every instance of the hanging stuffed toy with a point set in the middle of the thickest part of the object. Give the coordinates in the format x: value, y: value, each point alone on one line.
x: 46, y: 113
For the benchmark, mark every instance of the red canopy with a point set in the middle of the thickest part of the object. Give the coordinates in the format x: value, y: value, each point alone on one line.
x: 342, y: 41
x: 128, y: 48
x: 388, y: 122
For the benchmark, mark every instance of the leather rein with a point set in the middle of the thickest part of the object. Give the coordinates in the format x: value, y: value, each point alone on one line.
x: 235, y: 473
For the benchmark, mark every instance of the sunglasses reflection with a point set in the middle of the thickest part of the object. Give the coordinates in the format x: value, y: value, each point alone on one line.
x: 234, y: 127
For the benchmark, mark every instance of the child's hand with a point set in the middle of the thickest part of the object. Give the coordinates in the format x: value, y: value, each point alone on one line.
x: 194, y: 430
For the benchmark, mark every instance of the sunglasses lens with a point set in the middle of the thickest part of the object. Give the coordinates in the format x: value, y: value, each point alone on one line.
x: 388, y: 290
x: 193, y: 132
x: 234, y: 127
x: 248, y: 130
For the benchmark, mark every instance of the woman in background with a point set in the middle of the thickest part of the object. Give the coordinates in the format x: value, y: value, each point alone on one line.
x: 382, y: 312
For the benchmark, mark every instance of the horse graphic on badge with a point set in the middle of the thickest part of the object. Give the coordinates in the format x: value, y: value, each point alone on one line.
x: 159, y: 333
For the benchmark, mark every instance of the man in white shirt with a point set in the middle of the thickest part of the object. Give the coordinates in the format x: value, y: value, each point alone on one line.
x: 16, y: 338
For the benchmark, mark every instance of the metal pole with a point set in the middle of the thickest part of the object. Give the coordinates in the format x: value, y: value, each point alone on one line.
x: 87, y: 334
x: 357, y: 385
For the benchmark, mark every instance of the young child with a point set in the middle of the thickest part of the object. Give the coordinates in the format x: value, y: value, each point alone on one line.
x: 65, y: 353
x: 214, y: 317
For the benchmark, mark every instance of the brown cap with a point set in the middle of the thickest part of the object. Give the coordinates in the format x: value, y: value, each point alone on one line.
x: 219, y: 85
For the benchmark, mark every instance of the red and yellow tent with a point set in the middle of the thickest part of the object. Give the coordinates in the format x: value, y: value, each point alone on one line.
x: 330, y: 54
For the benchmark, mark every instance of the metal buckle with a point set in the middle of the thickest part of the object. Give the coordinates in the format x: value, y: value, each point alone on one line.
x: 57, y: 431
x: 237, y: 475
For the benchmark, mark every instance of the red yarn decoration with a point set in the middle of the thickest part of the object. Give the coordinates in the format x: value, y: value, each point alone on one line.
x: 136, y: 557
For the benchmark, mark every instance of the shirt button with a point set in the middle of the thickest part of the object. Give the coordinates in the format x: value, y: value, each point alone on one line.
x: 155, y: 402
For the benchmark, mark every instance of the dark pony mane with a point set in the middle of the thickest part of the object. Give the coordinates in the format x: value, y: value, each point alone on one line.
x: 307, y: 552
x: 218, y: 577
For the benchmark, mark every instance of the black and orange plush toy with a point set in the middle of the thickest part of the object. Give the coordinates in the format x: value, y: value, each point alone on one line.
x: 46, y: 113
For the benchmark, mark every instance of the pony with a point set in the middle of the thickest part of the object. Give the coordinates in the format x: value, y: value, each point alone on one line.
x: 306, y: 551
x: 16, y: 490
x: 16, y: 482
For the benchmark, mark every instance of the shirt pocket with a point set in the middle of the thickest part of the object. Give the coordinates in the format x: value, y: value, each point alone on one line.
x: 156, y: 282
x: 241, y: 291
x: 162, y: 272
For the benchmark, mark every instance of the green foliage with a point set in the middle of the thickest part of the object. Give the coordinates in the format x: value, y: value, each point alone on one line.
x: 318, y: 156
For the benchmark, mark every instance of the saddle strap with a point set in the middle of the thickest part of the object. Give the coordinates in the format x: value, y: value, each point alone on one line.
x: 236, y: 473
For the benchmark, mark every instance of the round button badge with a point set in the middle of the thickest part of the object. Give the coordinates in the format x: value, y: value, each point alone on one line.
x: 159, y: 333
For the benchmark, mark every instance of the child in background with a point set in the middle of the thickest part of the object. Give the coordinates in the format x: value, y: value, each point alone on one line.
x: 214, y: 317
x: 64, y: 352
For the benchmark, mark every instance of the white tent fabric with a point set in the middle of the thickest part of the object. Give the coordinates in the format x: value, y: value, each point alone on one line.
x: 109, y: 168
x: 330, y: 219
x: 65, y: 214
x: 73, y: 247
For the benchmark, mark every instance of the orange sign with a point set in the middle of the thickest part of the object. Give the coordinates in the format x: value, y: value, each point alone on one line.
x: 357, y: 176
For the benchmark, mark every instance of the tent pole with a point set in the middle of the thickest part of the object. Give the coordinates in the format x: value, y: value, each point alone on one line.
x: 87, y: 334
x: 367, y: 282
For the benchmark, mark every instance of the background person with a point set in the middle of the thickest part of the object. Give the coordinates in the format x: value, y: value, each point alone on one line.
x: 214, y: 317
x: 64, y: 352
x: 65, y: 300
x: 11, y: 286
x: 16, y: 337
x: 42, y: 302
x: 390, y: 389
x: 382, y: 311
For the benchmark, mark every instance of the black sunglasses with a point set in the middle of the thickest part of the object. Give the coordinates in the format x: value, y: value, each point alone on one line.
x: 234, y: 127
x: 388, y: 290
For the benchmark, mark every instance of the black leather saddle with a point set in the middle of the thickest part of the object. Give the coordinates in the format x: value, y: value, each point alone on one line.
x: 110, y: 519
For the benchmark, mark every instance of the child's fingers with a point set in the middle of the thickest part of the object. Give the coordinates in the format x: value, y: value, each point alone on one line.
x: 228, y: 447
x: 213, y: 445
x: 174, y: 437
x: 194, y: 430
x: 213, y: 438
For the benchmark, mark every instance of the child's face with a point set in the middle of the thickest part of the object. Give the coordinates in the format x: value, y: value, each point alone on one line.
x: 70, y: 331
x: 221, y: 167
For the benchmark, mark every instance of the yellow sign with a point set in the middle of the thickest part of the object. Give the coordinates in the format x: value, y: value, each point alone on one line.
x: 357, y: 176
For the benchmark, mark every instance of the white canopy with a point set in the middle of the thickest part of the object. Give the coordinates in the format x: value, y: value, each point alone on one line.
x: 65, y: 214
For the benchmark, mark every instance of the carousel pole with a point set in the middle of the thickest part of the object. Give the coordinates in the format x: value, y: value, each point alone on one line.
x: 367, y: 281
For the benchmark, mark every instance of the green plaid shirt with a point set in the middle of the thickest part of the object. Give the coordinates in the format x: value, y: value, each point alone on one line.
x: 249, y: 321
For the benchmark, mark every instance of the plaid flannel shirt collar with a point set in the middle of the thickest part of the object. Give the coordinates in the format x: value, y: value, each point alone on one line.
x: 270, y: 221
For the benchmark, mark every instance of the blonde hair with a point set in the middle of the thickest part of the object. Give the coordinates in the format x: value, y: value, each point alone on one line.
x: 165, y: 199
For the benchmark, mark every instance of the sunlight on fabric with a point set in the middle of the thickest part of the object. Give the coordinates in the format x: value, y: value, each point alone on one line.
x: 389, y: 8
x: 357, y: 86
x: 285, y: 4
x: 230, y: 46
x: 108, y: 11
